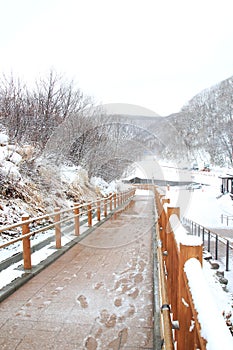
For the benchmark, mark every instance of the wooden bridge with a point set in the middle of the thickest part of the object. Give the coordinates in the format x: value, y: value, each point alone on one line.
x: 114, y: 280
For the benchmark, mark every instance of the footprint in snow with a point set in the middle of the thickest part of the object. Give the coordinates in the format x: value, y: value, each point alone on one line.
x: 83, y: 301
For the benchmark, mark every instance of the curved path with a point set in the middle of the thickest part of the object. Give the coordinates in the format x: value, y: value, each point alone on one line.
x: 98, y: 295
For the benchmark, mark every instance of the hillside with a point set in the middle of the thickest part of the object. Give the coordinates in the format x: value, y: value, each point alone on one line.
x: 203, y: 128
x: 40, y: 151
x: 42, y: 188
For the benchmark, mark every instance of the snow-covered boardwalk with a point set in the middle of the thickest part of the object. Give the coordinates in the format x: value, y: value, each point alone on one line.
x: 99, y: 295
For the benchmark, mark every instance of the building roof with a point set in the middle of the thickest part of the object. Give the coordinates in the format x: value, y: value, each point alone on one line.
x: 228, y: 176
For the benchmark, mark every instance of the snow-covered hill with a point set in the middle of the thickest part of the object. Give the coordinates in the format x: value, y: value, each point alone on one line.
x: 31, y: 184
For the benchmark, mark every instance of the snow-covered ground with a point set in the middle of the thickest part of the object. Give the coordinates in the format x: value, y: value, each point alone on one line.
x: 203, y: 206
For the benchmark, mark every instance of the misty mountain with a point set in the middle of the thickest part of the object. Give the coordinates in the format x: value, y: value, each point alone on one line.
x: 203, y: 129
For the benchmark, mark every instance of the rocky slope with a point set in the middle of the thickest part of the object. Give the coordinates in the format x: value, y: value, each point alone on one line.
x: 32, y: 185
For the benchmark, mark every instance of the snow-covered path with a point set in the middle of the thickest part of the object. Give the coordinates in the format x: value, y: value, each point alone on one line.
x: 99, y: 295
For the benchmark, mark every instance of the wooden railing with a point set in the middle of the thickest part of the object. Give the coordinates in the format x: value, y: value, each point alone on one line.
x: 185, y: 323
x: 102, y: 205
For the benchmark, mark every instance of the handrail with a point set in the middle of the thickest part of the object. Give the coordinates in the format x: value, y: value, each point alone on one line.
x: 227, y: 217
x: 118, y: 198
x: 39, y: 218
x: 166, y: 324
x: 202, y: 231
x: 167, y: 342
x: 186, y: 220
x: 27, y: 235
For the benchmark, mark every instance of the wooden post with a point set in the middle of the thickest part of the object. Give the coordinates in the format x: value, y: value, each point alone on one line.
x: 89, y: 215
x: 162, y: 228
x: 57, y: 218
x: 76, y: 220
x: 167, y: 332
x: 98, y: 209
x: 115, y: 200
x: 173, y: 210
x: 185, y: 337
x: 105, y: 207
x: 110, y: 198
x: 27, y: 264
x: 118, y: 199
x: 163, y: 223
x: 172, y: 262
x: 165, y: 200
x: 188, y: 252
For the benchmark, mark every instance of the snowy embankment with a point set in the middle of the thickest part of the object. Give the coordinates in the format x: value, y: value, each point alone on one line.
x: 55, y: 187
x: 203, y: 205
x: 34, y: 186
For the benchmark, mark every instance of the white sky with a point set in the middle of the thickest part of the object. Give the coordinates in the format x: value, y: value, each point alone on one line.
x: 154, y: 53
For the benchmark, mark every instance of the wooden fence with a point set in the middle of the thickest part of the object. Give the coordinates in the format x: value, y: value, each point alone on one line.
x: 183, y: 321
x: 102, y: 205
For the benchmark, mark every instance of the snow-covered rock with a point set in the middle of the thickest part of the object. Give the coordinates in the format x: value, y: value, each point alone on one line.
x: 101, y: 186
x: 9, y: 170
x: 3, y: 154
x: 81, y: 177
x: 8, y: 152
x: 3, y: 139
x: 68, y: 173
x: 15, y: 158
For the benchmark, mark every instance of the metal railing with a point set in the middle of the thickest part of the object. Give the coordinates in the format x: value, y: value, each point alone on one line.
x: 227, y: 219
x: 220, y: 247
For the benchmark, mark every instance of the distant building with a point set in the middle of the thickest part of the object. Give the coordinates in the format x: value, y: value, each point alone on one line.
x: 138, y: 180
x: 227, y: 184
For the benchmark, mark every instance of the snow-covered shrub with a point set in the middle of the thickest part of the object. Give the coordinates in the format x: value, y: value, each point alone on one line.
x: 26, y: 152
x: 102, y: 187
x: 15, y: 158
x: 8, y: 153
x: 81, y: 177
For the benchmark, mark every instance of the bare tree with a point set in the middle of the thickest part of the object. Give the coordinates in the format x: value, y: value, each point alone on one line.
x: 205, y: 124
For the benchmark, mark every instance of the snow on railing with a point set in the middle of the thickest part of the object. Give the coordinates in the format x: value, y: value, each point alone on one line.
x: 181, y: 234
x: 184, y: 292
x: 213, y: 327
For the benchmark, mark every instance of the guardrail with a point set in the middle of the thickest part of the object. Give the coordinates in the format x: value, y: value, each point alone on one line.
x: 102, y: 205
x: 228, y: 218
x: 186, y: 321
x: 219, y: 246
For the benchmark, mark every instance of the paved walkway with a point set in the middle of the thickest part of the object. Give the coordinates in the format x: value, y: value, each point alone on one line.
x: 99, y: 295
